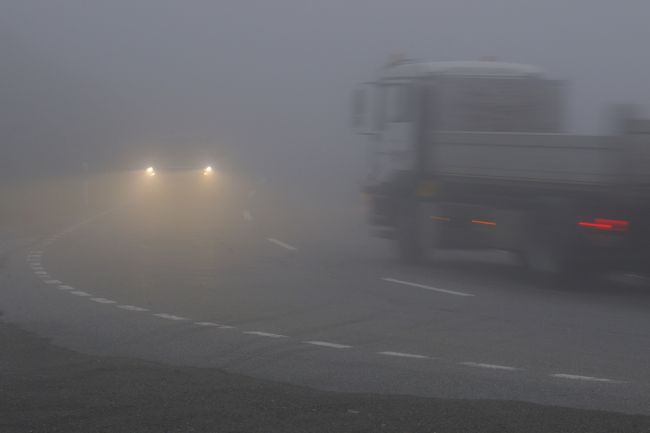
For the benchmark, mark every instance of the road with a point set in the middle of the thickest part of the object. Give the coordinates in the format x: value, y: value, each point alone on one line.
x: 243, y: 276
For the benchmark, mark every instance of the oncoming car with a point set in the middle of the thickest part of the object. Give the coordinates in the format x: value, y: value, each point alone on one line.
x: 207, y: 170
x: 181, y: 181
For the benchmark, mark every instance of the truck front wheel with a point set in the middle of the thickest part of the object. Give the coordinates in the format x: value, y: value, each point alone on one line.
x: 409, y: 240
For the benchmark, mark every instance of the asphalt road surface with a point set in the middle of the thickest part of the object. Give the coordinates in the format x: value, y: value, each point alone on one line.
x: 247, y: 277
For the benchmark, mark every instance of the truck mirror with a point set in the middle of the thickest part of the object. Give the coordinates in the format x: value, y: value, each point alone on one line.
x: 358, y: 109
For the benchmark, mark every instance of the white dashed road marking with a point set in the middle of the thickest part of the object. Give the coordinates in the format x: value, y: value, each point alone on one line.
x: 491, y: 366
x: 103, y: 301
x: 169, y: 316
x: 41, y: 273
x: 265, y: 334
x: 132, y: 308
x: 422, y: 286
x: 216, y: 325
x: 282, y: 244
x: 585, y: 378
x: 64, y: 287
x: 328, y: 344
x: 52, y: 282
x: 404, y: 355
x: 80, y: 293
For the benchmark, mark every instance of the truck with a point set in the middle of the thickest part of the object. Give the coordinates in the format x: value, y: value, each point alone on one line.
x: 476, y: 155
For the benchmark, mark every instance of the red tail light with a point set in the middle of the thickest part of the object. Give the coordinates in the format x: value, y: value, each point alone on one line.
x: 606, y: 224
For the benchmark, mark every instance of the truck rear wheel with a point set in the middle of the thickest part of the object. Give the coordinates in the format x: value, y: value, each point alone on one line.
x: 543, y: 255
x: 550, y: 248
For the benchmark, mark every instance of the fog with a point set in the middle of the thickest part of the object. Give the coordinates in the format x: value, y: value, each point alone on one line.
x: 265, y: 84
x: 208, y: 207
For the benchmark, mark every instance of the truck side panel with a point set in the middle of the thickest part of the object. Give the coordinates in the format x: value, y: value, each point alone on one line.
x: 548, y: 158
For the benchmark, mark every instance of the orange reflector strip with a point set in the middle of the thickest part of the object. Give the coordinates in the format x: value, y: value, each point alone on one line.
x: 484, y: 223
x: 440, y: 218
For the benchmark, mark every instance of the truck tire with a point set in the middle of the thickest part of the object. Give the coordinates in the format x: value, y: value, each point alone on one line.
x: 542, y: 255
x: 409, y: 242
x: 550, y: 247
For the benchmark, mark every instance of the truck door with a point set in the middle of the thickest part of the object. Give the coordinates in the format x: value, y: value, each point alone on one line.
x: 393, y: 150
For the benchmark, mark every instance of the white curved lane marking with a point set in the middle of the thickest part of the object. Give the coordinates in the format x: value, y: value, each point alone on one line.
x: 404, y: 355
x: 265, y: 334
x: 422, y: 286
x: 282, y: 244
x: 490, y: 366
x: 328, y: 344
x: 585, y: 378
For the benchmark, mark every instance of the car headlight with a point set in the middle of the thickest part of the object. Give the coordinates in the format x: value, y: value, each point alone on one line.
x: 207, y: 171
x: 150, y: 171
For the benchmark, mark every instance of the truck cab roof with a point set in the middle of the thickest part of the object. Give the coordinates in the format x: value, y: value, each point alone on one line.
x: 411, y: 70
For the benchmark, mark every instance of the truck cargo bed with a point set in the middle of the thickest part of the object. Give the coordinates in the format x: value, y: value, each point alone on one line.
x: 559, y: 159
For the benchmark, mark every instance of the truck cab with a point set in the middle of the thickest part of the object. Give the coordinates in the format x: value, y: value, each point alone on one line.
x: 459, y: 96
